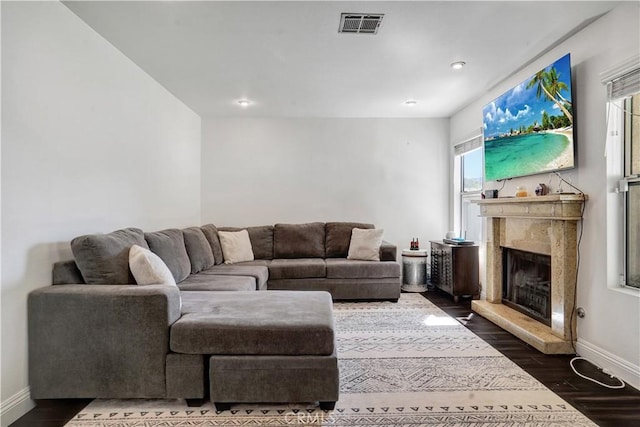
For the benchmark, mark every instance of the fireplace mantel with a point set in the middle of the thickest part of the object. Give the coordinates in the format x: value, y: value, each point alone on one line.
x: 553, y: 206
x: 545, y: 225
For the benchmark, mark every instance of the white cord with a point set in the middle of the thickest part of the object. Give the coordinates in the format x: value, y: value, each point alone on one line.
x: 624, y: 110
x: 622, y: 383
x: 561, y: 180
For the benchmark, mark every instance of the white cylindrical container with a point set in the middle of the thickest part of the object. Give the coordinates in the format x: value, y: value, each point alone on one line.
x: 414, y: 270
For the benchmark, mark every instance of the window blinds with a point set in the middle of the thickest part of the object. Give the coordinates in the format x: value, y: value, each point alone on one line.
x: 623, y: 80
x: 468, y: 145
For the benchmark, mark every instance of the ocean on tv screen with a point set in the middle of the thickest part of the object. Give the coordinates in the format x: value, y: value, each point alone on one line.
x: 528, y: 154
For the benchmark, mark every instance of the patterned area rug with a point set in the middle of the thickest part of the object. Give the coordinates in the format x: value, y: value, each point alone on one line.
x: 402, y: 364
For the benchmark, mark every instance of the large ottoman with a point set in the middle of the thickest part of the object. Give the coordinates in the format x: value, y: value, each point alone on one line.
x: 276, y: 346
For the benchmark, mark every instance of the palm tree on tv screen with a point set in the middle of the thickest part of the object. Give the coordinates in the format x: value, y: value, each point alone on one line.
x: 555, y: 85
x: 548, y: 82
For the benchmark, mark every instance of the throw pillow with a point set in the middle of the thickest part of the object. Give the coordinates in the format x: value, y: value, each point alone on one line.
x: 148, y: 268
x: 338, y: 236
x: 236, y: 246
x: 261, y: 238
x: 365, y: 244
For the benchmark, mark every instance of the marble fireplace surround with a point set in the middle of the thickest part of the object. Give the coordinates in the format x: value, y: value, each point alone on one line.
x: 544, y: 225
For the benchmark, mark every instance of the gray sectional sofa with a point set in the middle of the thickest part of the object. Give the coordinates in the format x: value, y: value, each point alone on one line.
x: 102, y: 336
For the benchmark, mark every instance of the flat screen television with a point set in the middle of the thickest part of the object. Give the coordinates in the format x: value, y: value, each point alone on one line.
x: 529, y: 129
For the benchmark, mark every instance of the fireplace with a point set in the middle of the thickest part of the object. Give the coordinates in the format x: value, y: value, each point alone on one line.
x: 526, y: 283
x: 542, y: 231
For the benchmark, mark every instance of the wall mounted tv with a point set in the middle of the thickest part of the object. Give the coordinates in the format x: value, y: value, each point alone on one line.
x: 529, y: 129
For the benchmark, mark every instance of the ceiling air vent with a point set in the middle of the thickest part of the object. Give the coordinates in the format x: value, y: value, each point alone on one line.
x: 360, y: 23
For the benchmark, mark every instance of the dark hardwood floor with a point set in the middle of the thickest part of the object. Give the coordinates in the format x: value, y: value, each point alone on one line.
x: 51, y: 413
x: 606, y: 407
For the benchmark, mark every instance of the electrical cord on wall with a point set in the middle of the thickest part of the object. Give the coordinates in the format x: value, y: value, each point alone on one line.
x: 573, y: 311
x: 504, y: 182
x: 575, y: 283
x: 561, y: 180
x: 622, y: 108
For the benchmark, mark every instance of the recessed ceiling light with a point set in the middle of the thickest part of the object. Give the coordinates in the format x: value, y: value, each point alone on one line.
x: 410, y: 103
x: 244, y: 102
x: 457, y: 65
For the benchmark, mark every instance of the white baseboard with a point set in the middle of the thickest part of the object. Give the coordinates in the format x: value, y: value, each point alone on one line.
x: 15, y: 407
x: 621, y: 368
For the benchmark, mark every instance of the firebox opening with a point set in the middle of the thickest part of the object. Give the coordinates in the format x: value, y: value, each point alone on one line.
x: 526, y: 283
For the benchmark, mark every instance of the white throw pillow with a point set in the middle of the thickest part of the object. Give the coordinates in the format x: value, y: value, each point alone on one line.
x: 236, y: 246
x: 365, y: 244
x: 148, y: 268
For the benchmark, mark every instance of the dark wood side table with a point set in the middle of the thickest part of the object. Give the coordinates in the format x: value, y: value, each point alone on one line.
x: 454, y: 269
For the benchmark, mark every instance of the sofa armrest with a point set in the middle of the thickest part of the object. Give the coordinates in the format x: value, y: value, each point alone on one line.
x: 88, y: 341
x: 388, y: 251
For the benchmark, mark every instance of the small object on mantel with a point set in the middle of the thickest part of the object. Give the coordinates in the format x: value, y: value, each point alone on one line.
x: 491, y: 194
x: 542, y: 190
x: 521, y: 191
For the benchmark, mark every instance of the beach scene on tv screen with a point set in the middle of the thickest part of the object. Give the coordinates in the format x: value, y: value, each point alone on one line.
x: 529, y: 129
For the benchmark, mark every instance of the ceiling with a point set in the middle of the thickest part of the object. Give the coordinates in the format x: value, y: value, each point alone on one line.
x: 288, y: 58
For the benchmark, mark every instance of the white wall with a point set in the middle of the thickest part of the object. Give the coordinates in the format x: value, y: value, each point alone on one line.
x: 390, y: 172
x: 90, y: 143
x: 609, y: 335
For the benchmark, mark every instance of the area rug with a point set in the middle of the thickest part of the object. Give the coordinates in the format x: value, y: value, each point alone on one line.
x: 401, y: 364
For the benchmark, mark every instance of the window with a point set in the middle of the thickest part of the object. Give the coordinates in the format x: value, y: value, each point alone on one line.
x: 472, y: 171
x: 623, y: 170
x: 471, y: 224
x: 469, y: 188
x: 631, y: 183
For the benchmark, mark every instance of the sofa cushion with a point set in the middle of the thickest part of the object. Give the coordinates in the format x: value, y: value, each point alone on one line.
x: 147, y: 268
x: 365, y: 244
x: 198, y: 249
x: 338, y: 236
x: 66, y: 273
x: 343, y: 289
x: 388, y: 251
x: 281, y: 322
x: 261, y: 240
x: 169, y: 245
x: 255, y: 269
x: 299, y: 268
x: 236, y: 246
x: 211, y: 233
x: 210, y: 282
x: 104, y: 258
x: 298, y: 240
x: 340, y: 268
